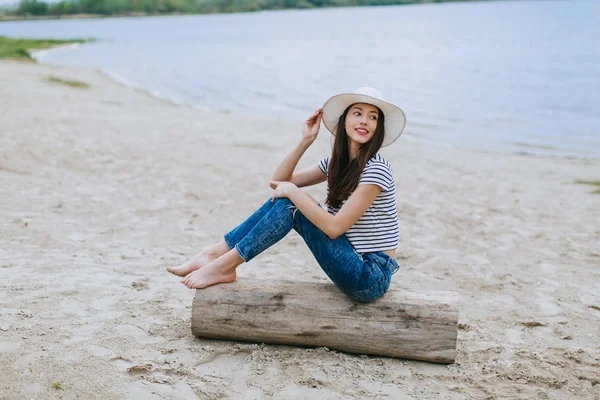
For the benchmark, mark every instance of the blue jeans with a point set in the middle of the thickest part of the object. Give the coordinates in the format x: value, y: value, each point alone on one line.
x: 362, y: 277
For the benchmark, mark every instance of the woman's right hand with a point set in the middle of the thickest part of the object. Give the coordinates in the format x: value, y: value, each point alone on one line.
x: 310, y: 128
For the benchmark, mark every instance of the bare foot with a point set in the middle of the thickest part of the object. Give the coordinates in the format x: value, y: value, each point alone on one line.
x: 222, y: 270
x: 208, y: 276
x: 193, y: 264
x: 201, y: 259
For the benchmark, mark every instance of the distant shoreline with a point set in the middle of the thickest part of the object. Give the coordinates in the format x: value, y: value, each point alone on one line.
x: 4, y: 17
x: 7, y: 18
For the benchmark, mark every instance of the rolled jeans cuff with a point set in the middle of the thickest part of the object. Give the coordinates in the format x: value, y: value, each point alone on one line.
x: 242, y: 256
x: 228, y: 241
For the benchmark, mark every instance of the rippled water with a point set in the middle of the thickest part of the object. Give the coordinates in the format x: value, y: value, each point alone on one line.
x: 518, y: 76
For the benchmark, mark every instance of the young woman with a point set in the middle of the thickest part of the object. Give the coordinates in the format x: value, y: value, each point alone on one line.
x: 355, y: 239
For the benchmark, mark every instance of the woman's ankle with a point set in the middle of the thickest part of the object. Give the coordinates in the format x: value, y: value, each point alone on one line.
x: 228, y: 262
x: 216, y: 250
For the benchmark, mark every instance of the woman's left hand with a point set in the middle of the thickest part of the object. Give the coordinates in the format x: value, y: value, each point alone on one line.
x: 282, y: 189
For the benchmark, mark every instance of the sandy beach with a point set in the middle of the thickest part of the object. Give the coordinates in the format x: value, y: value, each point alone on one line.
x: 103, y: 188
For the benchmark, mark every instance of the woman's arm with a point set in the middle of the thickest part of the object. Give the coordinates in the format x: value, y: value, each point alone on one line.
x: 332, y: 225
x: 307, y: 177
x: 285, y: 170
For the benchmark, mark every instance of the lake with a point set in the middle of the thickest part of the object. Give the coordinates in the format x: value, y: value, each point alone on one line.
x: 511, y: 77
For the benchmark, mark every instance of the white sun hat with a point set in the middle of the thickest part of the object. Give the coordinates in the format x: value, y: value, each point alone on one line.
x: 395, y: 120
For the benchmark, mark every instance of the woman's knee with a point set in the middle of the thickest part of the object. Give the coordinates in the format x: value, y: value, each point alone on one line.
x: 284, y: 202
x: 373, y: 292
x: 284, y: 206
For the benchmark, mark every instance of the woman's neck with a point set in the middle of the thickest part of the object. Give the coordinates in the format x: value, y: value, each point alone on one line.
x: 353, y: 150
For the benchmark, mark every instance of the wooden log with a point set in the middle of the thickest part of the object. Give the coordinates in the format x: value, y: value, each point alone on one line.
x: 420, y: 325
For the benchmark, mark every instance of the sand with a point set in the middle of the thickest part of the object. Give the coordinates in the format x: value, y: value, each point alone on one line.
x: 103, y: 188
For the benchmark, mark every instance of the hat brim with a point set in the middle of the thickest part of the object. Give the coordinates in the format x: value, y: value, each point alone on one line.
x: 395, y: 119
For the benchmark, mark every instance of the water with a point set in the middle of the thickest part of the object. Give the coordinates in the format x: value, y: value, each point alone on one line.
x: 517, y: 77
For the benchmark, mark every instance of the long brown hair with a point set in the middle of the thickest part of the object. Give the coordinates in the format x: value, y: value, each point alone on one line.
x: 343, y: 173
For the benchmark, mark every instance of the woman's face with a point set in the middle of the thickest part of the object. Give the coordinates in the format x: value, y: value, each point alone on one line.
x: 361, y: 122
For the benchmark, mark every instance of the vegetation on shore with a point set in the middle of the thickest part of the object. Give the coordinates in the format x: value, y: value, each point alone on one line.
x: 18, y: 48
x: 68, y: 82
x: 592, y: 183
x: 37, y: 8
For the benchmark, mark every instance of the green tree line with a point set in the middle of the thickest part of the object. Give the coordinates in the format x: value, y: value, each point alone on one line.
x: 120, y: 7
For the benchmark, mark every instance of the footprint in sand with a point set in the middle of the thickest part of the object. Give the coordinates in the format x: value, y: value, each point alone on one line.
x: 99, y: 351
x: 82, y: 333
x: 220, y: 363
x: 138, y: 334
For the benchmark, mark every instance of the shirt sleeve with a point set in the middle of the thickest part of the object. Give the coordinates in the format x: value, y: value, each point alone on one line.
x: 378, y: 173
x: 324, y: 165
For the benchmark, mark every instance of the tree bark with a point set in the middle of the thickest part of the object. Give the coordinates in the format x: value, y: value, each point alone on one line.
x: 420, y: 325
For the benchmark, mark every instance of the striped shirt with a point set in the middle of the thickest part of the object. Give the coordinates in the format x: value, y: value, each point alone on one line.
x: 377, y: 229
